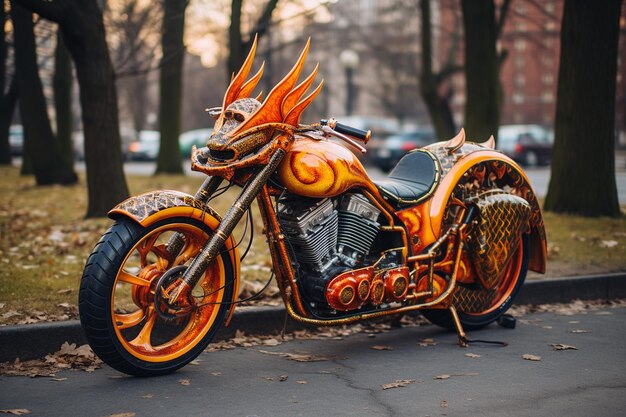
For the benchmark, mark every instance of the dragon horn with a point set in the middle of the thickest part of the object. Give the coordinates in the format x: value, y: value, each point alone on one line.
x: 250, y: 85
x: 294, y: 95
x: 237, y: 82
x: 270, y: 110
x: 293, y: 117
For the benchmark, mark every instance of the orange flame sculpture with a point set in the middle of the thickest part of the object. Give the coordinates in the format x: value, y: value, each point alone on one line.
x: 245, y: 123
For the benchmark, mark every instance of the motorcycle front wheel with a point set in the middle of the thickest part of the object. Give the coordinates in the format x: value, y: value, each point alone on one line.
x: 118, y: 307
x: 511, y: 283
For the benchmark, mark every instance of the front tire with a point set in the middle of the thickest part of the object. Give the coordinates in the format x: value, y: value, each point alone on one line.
x: 117, y: 297
x: 511, y: 283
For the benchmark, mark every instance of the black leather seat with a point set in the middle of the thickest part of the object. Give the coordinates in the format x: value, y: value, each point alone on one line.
x: 412, y: 180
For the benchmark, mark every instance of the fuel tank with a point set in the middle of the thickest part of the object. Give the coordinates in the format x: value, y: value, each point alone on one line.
x: 321, y: 169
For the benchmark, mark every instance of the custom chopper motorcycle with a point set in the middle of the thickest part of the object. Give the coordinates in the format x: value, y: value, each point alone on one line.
x: 450, y: 232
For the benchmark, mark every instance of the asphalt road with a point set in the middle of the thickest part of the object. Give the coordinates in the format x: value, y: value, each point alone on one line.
x: 589, y: 381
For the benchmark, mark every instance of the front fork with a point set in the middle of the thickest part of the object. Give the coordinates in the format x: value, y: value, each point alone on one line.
x: 232, y: 217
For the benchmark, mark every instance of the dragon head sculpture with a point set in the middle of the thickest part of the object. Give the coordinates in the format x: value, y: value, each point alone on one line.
x: 245, y: 124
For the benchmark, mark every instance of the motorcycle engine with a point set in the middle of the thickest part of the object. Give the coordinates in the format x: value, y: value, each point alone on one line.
x: 327, y: 236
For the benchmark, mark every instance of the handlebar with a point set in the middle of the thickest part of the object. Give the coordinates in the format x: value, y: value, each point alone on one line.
x: 363, y: 135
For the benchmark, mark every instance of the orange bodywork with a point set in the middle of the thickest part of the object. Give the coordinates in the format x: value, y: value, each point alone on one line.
x: 322, y: 169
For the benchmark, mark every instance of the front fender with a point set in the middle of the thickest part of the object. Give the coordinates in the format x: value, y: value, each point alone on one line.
x: 474, y: 163
x: 154, y: 206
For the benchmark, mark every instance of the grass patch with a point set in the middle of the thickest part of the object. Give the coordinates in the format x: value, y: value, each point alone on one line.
x: 45, y: 240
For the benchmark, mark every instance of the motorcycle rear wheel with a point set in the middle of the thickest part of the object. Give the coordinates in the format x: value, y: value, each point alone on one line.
x: 511, y: 283
x: 117, y: 297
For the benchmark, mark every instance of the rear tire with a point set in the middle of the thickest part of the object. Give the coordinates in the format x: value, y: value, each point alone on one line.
x: 511, y: 285
x: 116, y: 300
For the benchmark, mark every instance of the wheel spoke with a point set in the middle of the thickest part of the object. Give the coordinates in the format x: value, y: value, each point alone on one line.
x: 190, y: 251
x: 143, y: 338
x: 148, y: 245
x: 124, y: 321
x: 132, y: 279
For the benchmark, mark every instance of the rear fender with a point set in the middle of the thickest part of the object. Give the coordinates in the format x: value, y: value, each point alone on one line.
x: 149, y: 208
x: 472, y: 165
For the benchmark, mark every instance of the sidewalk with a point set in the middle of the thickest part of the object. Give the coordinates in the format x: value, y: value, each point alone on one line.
x: 37, y: 340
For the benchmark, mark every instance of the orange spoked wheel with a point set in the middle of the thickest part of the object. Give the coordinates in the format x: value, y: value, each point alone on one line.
x: 123, y: 297
x: 491, y: 305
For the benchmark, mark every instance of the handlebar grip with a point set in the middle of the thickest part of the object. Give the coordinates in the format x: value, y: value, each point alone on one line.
x: 364, y: 135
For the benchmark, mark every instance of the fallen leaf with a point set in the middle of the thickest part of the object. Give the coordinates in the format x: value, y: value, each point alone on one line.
x: 271, y: 342
x: 448, y: 376
x: 16, y: 411
x: 305, y: 357
x: 184, y: 382
x: 443, y: 404
x: 530, y: 357
x: 398, y: 383
x: 283, y: 378
x: 560, y: 346
x: 148, y: 396
x: 472, y: 355
x: 427, y: 342
x: 608, y: 243
x: 381, y: 347
x: 216, y: 373
x: 301, y: 382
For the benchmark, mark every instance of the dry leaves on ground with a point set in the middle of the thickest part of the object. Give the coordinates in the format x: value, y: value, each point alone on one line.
x: 184, y: 382
x: 299, y: 357
x: 530, y: 357
x: 68, y: 357
x: 473, y: 355
x: 427, y: 342
x: 16, y: 411
x: 448, y: 376
x: 561, y: 346
x: 398, y: 383
x: 381, y: 347
x: 566, y: 309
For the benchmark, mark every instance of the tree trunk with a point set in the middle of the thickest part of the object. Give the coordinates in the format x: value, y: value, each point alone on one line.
x: 62, y: 85
x: 482, y: 113
x: 238, y: 49
x: 171, y: 84
x: 583, y: 165
x: 83, y: 32
x: 437, y: 105
x: 8, y: 100
x: 39, y: 141
x: 7, y: 108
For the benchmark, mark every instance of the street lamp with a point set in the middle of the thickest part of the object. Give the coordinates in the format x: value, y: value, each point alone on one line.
x: 349, y: 60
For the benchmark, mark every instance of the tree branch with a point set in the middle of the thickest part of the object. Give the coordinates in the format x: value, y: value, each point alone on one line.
x: 51, y: 10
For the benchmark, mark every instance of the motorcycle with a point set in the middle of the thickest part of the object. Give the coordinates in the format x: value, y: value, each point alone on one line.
x: 450, y: 232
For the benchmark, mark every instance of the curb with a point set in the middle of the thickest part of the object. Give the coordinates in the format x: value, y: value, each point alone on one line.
x: 33, y: 341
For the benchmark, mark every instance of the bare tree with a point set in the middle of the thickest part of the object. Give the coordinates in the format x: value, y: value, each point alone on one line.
x: 62, y: 86
x: 40, y: 144
x: 238, y: 46
x: 171, y: 86
x: 482, y: 107
x: 8, y: 96
x: 83, y: 30
x: 583, y: 164
x: 434, y: 93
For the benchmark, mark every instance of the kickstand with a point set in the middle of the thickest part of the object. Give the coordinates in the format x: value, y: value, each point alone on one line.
x: 459, y: 329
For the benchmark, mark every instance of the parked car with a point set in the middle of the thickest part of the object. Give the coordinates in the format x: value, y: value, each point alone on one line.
x: 146, y: 148
x: 529, y: 145
x: 127, y: 136
x: 196, y: 137
x: 386, y: 153
x: 16, y: 139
